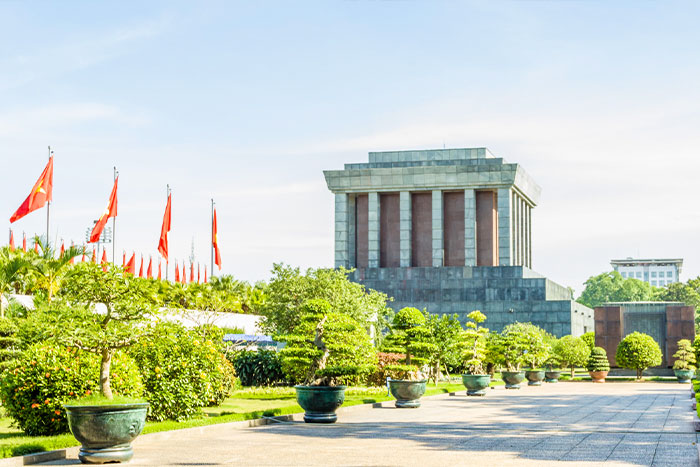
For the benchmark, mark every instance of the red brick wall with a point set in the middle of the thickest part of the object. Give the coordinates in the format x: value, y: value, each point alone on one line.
x: 608, y: 329
x: 422, y: 229
x: 486, y: 229
x: 361, y: 241
x: 680, y: 324
x: 389, y: 248
x: 453, y: 227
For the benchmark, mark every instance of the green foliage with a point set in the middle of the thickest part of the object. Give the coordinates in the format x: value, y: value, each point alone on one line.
x: 598, y: 360
x: 379, y: 375
x: 261, y: 368
x: 571, y: 352
x: 412, y: 337
x: 48, y: 270
x: 473, y: 340
x: 289, y: 290
x: 612, y: 287
x: 519, y: 343
x: 638, y: 351
x: 12, y: 266
x: 445, y: 339
x: 536, y: 341
x: 685, y: 356
x: 9, y: 343
x: 181, y: 372
x: 327, y: 348
x: 589, y: 339
x: 47, y: 375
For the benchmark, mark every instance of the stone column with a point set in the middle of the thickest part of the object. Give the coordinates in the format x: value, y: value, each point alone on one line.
x: 341, y: 230
x: 528, y: 247
x: 373, y: 230
x: 469, y: 228
x: 405, y: 229
x: 437, y: 229
x: 505, y: 253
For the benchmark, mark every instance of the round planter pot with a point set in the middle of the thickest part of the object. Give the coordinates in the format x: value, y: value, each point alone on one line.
x: 476, y: 384
x: 407, y: 392
x: 320, y: 402
x: 552, y: 376
x: 106, y: 431
x: 513, y: 378
x: 598, y: 376
x: 534, y: 377
x: 684, y: 376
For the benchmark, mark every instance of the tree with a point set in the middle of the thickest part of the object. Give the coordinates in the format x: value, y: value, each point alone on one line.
x: 410, y: 336
x: 11, y: 268
x: 598, y: 360
x: 571, y: 352
x: 48, y: 269
x: 538, y: 349
x: 589, y: 339
x: 444, y: 335
x: 612, y: 287
x: 288, y: 290
x: 130, y: 308
x: 474, y: 343
x: 510, y: 346
x: 685, y: 356
x: 638, y: 351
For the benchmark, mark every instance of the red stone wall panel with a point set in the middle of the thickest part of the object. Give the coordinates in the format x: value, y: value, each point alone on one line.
x: 422, y: 229
x: 453, y: 227
x: 361, y: 233
x: 389, y: 247
x: 486, y: 229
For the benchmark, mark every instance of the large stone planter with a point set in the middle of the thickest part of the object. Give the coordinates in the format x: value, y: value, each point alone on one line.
x: 598, y: 376
x: 407, y: 392
x: 684, y: 376
x: 534, y: 377
x: 513, y: 378
x: 106, y: 431
x: 476, y: 384
x: 320, y: 402
x: 552, y: 376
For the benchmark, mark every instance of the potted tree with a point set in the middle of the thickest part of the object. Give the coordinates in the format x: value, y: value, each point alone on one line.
x: 105, y: 427
x: 684, y: 366
x: 476, y: 380
x: 537, y: 353
x: 638, y: 351
x: 552, y: 372
x: 508, y: 350
x: 411, y: 335
x: 598, y: 365
x: 324, y: 351
x: 571, y: 352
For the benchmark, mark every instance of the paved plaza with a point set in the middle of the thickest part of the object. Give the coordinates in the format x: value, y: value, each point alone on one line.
x: 565, y: 423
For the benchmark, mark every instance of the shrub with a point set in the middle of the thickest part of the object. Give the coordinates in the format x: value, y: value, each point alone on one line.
x: 261, y: 368
x: 9, y: 343
x: 510, y: 346
x: 181, y: 373
x: 685, y: 356
x: 46, y: 376
x: 410, y: 336
x: 571, y: 352
x: 589, y: 339
x: 598, y: 360
x: 638, y: 351
x: 379, y: 375
x: 538, y: 349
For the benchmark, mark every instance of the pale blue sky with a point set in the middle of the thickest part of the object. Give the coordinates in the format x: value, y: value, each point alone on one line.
x: 248, y: 102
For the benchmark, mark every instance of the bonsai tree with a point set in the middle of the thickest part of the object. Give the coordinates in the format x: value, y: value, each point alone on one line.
x: 638, y: 351
x: 552, y: 360
x: 598, y: 360
x: 571, y: 352
x: 511, y: 345
x: 410, y: 336
x: 444, y: 331
x: 474, y: 343
x: 685, y: 356
x: 327, y: 348
x: 538, y: 349
x: 130, y: 309
x: 589, y: 339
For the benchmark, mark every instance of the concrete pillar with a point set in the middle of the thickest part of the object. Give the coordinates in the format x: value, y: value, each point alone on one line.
x: 505, y: 252
x: 469, y: 228
x: 437, y: 229
x: 521, y: 228
x: 341, y: 230
x: 373, y: 230
x: 529, y: 237
x: 405, y: 228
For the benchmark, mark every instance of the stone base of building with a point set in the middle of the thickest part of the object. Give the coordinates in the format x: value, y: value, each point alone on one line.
x: 505, y: 294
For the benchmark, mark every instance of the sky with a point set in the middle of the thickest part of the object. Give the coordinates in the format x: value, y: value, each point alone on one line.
x: 248, y: 102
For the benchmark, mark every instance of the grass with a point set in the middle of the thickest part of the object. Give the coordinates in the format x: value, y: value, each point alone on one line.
x: 244, y: 404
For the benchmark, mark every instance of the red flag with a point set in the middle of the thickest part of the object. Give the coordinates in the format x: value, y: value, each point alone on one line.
x: 141, y: 267
x: 83, y: 258
x: 183, y: 276
x: 191, y: 272
x: 149, y: 271
x: 63, y: 248
x: 131, y: 265
x: 72, y: 260
x: 177, y: 273
x: 205, y: 275
x: 94, y: 257
x: 111, y: 211
x: 12, y: 241
x: 36, y: 247
x: 163, y: 242
x: 197, y: 273
x: 24, y: 242
x: 104, y: 260
x: 41, y: 193
x: 158, y: 268
x: 215, y: 242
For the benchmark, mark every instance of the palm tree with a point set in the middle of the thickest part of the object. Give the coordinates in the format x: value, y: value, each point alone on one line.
x: 11, y: 268
x: 49, y: 269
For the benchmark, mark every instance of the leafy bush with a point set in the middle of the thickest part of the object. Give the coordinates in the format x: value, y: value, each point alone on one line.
x: 474, y: 343
x: 571, y: 352
x: 410, y: 336
x: 9, y: 343
x: 598, y: 360
x: 47, y: 375
x: 685, y: 357
x: 589, y: 339
x: 261, y: 368
x: 379, y: 375
x: 536, y: 343
x: 510, y: 347
x: 181, y: 373
x: 638, y: 351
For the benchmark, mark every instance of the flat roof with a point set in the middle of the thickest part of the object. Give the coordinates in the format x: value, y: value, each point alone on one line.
x: 647, y: 260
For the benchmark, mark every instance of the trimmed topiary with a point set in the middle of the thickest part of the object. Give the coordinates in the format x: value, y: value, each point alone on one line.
x: 685, y: 356
x: 598, y: 360
x: 638, y: 351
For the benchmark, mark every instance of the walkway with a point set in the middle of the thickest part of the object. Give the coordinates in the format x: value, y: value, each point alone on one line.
x: 556, y: 424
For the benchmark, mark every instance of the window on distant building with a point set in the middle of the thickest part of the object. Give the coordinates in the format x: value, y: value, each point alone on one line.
x: 639, y: 275
x: 653, y: 273
x: 653, y: 283
x: 669, y: 274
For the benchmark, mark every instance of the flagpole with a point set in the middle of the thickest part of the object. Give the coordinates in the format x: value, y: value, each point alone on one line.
x: 212, y: 238
x: 48, y: 210
x: 167, y: 196
x: 114, y: 226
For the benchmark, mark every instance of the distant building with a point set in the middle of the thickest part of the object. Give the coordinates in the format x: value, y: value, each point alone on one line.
x: 656, y: 272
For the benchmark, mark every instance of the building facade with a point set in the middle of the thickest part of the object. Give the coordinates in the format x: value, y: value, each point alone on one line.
x: 656, y: 272
x: 449, y: 230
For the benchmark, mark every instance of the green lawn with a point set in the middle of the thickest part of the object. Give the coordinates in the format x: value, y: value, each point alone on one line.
x: 245, y: 404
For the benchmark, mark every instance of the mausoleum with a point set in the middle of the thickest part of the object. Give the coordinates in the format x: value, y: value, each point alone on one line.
x: 449, y: 230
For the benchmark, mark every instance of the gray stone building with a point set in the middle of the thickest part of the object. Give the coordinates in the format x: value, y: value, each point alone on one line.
x: 449, y: 230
